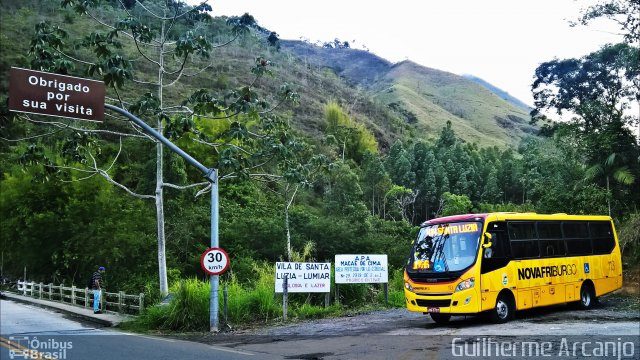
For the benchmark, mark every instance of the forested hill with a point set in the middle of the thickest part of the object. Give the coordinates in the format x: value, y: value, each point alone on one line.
x: 426, y: 98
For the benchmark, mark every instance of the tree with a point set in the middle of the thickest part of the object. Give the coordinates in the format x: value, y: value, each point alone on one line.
x: 299, y: 169
x: 353, y: 138
x: 491, y: 191
x: 374, y: 175
x: 170, y: 38
x: 455, y: 204
x: 403, y: 197
x: 597, y: 88
x: 622, y: 12
x: 447, y: 137
x: 610, y: 168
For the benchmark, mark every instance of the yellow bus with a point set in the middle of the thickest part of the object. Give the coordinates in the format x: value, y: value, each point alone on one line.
x: 502, y: 262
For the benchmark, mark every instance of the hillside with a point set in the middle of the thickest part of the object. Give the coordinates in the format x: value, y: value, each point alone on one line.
x: 503, y: 94
x: 427, y: 98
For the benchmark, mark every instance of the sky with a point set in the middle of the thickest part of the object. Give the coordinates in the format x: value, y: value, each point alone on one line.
x: 500, y: 41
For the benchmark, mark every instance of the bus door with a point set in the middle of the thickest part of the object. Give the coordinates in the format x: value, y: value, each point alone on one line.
x: 494, y: 272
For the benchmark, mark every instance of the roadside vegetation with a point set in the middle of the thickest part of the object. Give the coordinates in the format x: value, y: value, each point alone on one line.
x: 252, y: 303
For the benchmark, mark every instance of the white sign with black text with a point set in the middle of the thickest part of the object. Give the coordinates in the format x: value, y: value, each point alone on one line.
x: 304, y: 277
x: 361, y: 269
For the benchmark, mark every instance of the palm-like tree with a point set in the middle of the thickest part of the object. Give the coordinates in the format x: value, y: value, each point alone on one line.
x: 613, y: 166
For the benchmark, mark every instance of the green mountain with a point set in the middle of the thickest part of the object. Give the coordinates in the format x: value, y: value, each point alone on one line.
x: 393, y: 101
x: 426, y: 98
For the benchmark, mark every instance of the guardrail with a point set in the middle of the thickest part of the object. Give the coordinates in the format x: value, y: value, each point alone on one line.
x: 120, y: 302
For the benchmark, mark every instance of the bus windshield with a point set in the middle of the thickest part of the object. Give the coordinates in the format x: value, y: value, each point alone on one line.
x: 446, y: 247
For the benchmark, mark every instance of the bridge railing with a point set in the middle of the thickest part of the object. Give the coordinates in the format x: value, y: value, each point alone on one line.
x: 111, y: 301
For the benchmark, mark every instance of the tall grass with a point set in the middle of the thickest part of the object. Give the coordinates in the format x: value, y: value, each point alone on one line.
x: 254, y: 302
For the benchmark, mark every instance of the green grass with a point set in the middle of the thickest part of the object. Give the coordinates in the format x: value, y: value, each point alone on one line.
x: 253, y: 303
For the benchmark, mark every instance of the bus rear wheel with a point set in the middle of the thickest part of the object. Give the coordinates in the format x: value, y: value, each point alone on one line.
x: 587, y: 297
x: 504, y: 309
x: 440, y: 318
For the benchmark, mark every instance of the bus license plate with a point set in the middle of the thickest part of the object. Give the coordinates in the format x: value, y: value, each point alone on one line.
x: 433, y: 309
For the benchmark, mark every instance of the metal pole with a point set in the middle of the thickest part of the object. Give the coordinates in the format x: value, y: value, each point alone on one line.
x: 153, y: 132
x: 212, y: 176
x: 213, y: 298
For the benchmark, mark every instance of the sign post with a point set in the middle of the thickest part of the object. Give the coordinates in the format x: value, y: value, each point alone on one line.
x: 37, y: 92
x: 212, y: 176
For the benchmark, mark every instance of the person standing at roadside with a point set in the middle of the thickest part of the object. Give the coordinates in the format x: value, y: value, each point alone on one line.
x: 96, y: 286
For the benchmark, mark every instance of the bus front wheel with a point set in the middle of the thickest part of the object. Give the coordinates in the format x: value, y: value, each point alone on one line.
x: 440, y: 318
x: 504, y: 309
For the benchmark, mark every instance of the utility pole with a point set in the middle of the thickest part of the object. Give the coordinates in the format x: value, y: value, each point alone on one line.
x: 212, y: 176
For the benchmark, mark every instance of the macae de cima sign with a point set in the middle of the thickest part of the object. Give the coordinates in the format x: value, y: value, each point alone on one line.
x: 43, y: 93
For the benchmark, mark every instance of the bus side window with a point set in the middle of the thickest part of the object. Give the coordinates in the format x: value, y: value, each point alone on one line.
x: 602, y: 237
x: 524, y: 240
x: 576, y: 236
x: 551, y: 242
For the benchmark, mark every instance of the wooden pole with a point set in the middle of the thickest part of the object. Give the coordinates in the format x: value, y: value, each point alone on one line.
x: 285, y: 298
x: 141, y: 302
x: 120, y: 301
x: 386, y: 293
x: 225, y: 294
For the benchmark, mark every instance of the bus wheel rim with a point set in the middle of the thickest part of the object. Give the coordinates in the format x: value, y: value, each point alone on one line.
x: 502, y: 309
x: 586, y: 298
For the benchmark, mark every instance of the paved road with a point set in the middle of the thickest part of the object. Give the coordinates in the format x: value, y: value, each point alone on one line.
x: 24, y: 326
x: 391, y: 334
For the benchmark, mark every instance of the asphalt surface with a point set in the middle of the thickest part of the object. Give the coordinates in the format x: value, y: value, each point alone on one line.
x: 388, y: 334
x: 28, y: 328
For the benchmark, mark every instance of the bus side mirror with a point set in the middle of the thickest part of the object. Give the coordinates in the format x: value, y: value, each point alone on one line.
x: 487, y: 241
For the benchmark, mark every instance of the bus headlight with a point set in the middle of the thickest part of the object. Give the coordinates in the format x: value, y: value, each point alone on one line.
x: 465, y: 284
x: 408, y: 286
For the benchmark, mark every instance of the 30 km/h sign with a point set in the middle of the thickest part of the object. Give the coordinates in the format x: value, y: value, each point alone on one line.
x: 214, y: 261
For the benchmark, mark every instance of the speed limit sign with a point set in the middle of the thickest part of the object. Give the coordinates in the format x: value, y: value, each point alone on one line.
x: 214, y: 261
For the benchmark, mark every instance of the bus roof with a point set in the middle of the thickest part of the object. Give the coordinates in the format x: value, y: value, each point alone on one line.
x: 514, y: 216
x: 454, y: 218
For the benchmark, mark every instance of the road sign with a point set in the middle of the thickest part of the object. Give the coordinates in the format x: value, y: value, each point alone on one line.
x: 361, y: 269
x: 303, y: 277
x: 37, y: 92
x: 214, y: 261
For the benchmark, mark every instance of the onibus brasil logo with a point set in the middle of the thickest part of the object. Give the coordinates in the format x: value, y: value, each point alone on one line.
x: 26, y: 347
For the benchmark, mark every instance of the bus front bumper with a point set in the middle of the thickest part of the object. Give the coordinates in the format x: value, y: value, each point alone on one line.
x: 460, y: 302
